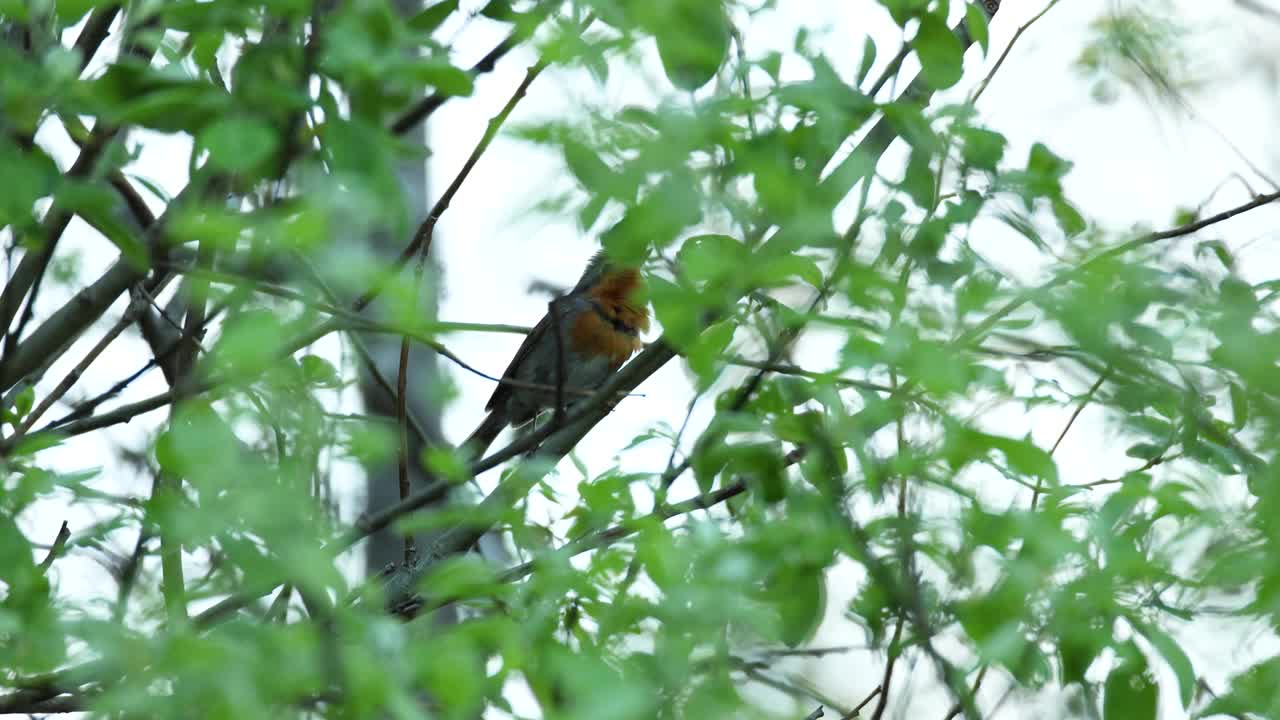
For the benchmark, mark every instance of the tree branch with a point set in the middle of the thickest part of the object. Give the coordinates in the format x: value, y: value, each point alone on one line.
x: 423, y: 235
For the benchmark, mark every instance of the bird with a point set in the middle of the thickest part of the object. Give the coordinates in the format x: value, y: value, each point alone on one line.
x: 600, y: 322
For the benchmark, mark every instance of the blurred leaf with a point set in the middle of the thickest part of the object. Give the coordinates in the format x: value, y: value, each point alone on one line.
x: 1130, y: 692
x: 1072, y: 222
x: 904, y: 10
x: 941, y: 53
x: 237, y: 143
x: 705, y: 355
x: 24, y: 401
x: 799, y: 595
x: 868, y: 60
x: 1045, y: 170
x: 1251, y: 691
x: 918, y: 181
x: 1239, y: 407
x: 100, y: 207
x: 427, y: 20
x: 1174, y: 656
x: 674, y: 307
x: 128, y: 93
x: 249, y: 343
x: 975, y: 20
x: 1027, y: 458
x: 693, y: 41
x: 761, y: 465
x: 319, y: 372
x: 1145, y: 451
x: 982, y: 148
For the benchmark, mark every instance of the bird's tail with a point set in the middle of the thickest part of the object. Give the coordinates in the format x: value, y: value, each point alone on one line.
x: 483, y: 436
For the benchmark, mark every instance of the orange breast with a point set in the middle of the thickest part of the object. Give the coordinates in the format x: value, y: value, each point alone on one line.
x: 596, y: 336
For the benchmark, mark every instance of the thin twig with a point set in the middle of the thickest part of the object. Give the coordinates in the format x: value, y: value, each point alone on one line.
x: 133, y: 564
x: 745, y: 82
x: 1084, y: 402
x: 58, y: 547
x: 428, y: 226
x: 809, y: 652
x: 424, y: 107
x: 135, y: 308
x: 402, y: 386
x: 789, y: 369
x: 854, y: 712
x: 982, y: 86
x: 894, y: 651
x: 976, y: 332
x: 977, y: 683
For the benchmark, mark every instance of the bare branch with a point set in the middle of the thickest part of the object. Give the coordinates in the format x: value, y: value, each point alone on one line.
x: 423, y: 235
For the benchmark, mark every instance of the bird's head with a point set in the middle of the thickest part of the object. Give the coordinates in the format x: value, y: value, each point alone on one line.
x: 608, y: 278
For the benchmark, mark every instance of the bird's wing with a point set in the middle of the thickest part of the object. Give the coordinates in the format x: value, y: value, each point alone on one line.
x: 530, y: 342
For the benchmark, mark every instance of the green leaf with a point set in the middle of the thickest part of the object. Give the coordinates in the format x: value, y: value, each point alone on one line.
x: 904, y: 10
x: 1219, y: 250
x: 460, y: 577
x: 498, y: 10
x: 694, y: 42
x: 1150, y: 339
x: 1185, y: 215
x: 1130, y: 693
x: 1145, y: 451
x: 708, y: 258
x: 1045, y: 171
x: 799, y: 595
x: 674, y: 307
x: 868, y: 60
x: 1172, y: 653
x: 1252, y: 692
x: 70, y: 11
x: 1069, y: 218
x: 1239, y: 407
x: 975, y: 20
x: 238, y: 144
x: 771, y: 63
x: 780, y: 271
x: 704, y: 356
x: 429, y: 19
x: 941, y: 53
x: 249, y: 343
x: 35, y: 443
x: 444, y: 77
x: 589, y: 169
x: 760, y: 464
x: 1027, y: 458
x: 319, y: 372
x: 25, y: 400
x: 139, y: 95
x: 30, y: 174
x: 982, y: 148
x: 912, y: 126
x: 918, y: 182
x: 101, y: 209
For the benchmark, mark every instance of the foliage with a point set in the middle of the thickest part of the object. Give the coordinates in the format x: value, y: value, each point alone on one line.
x: 758, y: 204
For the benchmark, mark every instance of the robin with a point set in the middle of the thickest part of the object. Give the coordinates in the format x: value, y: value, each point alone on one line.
x: 600, y: 324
